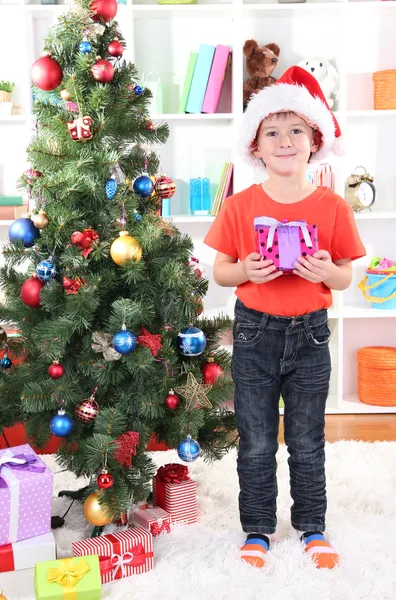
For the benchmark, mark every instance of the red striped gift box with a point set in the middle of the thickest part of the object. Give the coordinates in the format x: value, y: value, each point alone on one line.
x: 178, y: 499
x: 156, y: 520
x: 324, y: 176
x: 121, y: 554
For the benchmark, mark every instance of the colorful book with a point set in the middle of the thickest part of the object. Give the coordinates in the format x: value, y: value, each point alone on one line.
x: 187, y: 81
x: 11, y: 201
x: 200, y: 78
x: 12, y: 212
x: 223, y: 188
x: 216, y: 78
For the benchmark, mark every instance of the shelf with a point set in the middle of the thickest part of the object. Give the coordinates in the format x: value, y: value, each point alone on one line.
x: 180, y: 10
x: 189, y: 219
x: 351, y: 404
x: 366, y: 312
x: 192, y: 117
x: 379, y: 214
x: 369, y: 113
x: 13, y: 119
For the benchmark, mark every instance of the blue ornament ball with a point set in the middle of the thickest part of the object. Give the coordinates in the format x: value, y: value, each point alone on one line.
x: 25, y: 231
x: 188, y: 449
x: 138, y: 90
x: 6, y: 363
x: 61, y: 425
x: 138, y: 217
x: 85, y: 47
x: 191, y: 341
x: 46, y: 270
x: 111, y: 188
x: 143, y: 186
x: 124, y: 341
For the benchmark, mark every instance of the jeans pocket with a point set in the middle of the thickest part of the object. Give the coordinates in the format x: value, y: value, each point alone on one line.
x: 318, y: 336
x: 246, y: 333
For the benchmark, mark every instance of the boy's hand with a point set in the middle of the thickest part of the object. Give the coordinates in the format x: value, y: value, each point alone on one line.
x: 316, y: 268
x: 259, y: 271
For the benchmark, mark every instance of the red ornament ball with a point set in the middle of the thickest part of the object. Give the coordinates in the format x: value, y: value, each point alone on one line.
x: 165, y: 187
x: 150, y: 126
x: 30, y: 291
x: 56, y: 370
x: 47, y: 73
x: 77, y: 237
x: 102, y: 71
x: 87, y: 410
x: 104, y: 9
x: 105, y: 480
x: 211, y: 371
x: 172, y: 401
x: 115, y: 48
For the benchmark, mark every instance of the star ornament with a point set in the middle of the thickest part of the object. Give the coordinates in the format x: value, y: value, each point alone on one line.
x: 195, y: 393
x: 152, y: 341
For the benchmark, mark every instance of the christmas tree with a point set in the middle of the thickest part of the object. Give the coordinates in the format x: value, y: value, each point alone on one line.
x: 101, y: 289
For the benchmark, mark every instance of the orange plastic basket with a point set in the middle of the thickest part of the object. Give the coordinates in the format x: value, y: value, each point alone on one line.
x: 377, y: 375
x: 385, y: 90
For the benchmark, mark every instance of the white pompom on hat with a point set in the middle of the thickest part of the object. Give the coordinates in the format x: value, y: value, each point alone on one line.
x: 295, y: 91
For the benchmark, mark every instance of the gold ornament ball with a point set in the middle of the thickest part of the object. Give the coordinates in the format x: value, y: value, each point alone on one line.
x: 94, y: 512
x: 3, y: 340
x: 66, y: 95
x: 125, y: 248
x: 40, y: 220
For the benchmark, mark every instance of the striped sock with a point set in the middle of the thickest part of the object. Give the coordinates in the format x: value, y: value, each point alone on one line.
x: 254, y: 549
x: 323, y: 555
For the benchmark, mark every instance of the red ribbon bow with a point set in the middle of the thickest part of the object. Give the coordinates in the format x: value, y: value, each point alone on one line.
x: 157, y: 529
x: 172, y: 473
x: 84, y: 240
x: 116, y: 563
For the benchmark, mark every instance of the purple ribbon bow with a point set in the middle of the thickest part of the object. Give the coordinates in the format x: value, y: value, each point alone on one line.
x: 18, y: 462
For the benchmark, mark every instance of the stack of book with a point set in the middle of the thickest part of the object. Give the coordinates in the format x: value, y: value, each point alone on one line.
x: 224, y: 188
x: 204, y: 79
x: 11, y: 207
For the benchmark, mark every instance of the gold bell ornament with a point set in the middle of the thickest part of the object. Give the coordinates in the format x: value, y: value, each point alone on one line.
x: 40, y: 220
x: 125, y: 248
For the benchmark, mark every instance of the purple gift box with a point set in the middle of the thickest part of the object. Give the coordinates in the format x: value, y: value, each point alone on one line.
x: 25, y: 495
x: 283, y: 242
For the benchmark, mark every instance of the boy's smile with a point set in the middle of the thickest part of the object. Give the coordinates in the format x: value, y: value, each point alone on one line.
x: 285, y: 143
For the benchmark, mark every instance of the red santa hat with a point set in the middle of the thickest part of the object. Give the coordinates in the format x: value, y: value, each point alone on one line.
x: 296, y: 91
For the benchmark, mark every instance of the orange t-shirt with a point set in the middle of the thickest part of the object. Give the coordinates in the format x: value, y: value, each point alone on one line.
x: 233, y: 233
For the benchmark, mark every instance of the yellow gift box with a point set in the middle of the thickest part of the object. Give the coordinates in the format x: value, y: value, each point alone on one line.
x: 68, y: 579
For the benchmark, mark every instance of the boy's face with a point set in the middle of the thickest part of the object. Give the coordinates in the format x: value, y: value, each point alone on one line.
x: 285, y: 142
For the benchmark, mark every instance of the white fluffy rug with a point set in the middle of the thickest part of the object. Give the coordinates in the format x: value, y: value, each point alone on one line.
x: 197, y: 562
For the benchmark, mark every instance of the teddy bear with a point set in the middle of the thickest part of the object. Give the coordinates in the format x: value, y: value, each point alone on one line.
x: 260, y: 63
x: 325, y: 74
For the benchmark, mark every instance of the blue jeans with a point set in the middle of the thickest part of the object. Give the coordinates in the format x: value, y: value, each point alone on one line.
x: 289, y: 356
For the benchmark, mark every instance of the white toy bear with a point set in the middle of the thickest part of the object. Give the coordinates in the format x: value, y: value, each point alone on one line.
x: 325, y: 74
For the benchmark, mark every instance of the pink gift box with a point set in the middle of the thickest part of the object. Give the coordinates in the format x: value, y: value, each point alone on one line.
x: 121, y: 554
x: 283, y: 242
x: 156, y: 520
x: 178, y: 499
x: 25, y: 495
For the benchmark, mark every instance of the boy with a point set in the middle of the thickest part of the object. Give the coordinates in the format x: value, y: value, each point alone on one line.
x: 281, y: 333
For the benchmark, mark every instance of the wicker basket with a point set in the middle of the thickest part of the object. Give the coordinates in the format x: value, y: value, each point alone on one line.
x: 377, y: 375
x: 5, y: 96
x: 385, y: 90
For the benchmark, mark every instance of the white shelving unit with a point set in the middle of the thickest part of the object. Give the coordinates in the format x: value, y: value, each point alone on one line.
x: 160, y: 38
